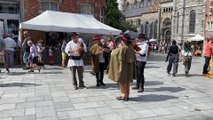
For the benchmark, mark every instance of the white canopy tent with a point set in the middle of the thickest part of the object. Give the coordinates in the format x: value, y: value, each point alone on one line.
x: 68, y: 22
x: 197, y: 37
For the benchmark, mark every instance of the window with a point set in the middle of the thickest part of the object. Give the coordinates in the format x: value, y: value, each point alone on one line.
x: 142, y: 3
x: 87, y: 9
x: 147, y: 29
x: 49, y: 6
x: 135, y: 4
x: 151, y: 30
x: 192, y: 21
x: 178, y: 17
x: 9, y: 8
x: 142, y: 29
x: 139, y: 22
x: 13, y: 26
x: 155, y: 29
x: 127, y: 6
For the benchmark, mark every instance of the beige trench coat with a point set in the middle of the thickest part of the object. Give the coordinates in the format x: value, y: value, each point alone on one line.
x: 122, y: 65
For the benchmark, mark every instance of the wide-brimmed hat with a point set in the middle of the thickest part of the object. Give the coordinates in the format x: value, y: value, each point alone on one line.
x: 97, y: 37
x: 141, y: 35
x: 74, y: 34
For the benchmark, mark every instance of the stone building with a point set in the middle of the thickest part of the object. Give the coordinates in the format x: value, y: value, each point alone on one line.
x: 12, y: 12
x: 188, y: 18
x: 209, y: 19
x: 152, y: 17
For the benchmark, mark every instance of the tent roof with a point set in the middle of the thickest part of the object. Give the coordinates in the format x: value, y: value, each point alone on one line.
x: 197, y: 37
x: 68, y: 22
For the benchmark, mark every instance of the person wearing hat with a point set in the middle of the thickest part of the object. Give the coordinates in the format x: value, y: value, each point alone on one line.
x: 141, y: 55
x: 75, y: 61
x: 99, y: 56
x: 207, y: 55
x: 187, y: 56
x: 173, y: 58
x: 122, y: 66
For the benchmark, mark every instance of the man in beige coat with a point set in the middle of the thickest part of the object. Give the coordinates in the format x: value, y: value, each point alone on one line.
x: 122, y: 65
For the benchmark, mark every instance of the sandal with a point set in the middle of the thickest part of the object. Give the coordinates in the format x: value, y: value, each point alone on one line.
x: 125, y: 99
x: 120, y: 98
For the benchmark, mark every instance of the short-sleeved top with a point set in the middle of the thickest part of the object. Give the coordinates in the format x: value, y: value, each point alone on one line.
x: 26, y: 47
x: 208, y: 49
x: 33, y: 50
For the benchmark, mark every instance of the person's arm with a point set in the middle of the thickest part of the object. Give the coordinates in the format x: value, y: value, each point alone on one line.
x: 24, y: 43
x: 144, y: 50
x: 167, y: 57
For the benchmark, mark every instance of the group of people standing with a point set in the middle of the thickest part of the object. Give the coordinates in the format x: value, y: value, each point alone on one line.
x: 122, y: 62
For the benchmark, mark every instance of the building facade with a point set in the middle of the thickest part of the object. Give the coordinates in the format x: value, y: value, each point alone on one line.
x: 15, y: 11
x: 209, y: 19
x: 188, y: 18
x: 152, y: 17
x: 167, y: 19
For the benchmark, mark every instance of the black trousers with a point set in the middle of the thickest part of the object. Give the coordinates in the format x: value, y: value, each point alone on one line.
x: 206, y: 65
x: 140, y: 73
x: 173, y: 63
x: 100, y: 74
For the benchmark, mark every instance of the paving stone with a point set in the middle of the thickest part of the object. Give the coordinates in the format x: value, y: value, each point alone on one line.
x: 81, y: 113
x: 45, y: 112
x: 44, y: 104
x: 7, y: 106
x: 30, y: 111
x: 12, y: 112
x: 25, y: 105
x: 28, y: 117
x: 110, y: 117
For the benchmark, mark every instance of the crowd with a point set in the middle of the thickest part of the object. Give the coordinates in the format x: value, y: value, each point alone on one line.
x: 123, y: 59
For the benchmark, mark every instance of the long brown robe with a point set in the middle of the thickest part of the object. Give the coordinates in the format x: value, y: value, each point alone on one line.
x: 94, y: 51
x: 122, y: 65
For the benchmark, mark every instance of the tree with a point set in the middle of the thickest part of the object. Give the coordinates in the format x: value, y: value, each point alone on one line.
x: 113, y: 17
x: 112, y: 13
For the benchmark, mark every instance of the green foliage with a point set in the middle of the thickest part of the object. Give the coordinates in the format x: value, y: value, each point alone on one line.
x: 113, y: 17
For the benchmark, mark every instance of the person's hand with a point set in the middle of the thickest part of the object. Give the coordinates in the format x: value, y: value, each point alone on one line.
x: 166, y: 60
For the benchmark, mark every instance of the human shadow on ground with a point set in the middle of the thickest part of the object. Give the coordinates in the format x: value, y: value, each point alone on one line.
x: 189, y: 75
x: 53, y: 68
x: 152, y: 98
x: 150, y: 83
x: 17, y: 73
x: 18, y: 84
x: 50, y: 72
x: 152, y: 67
x: 107, y: 86
x: 169, y: 89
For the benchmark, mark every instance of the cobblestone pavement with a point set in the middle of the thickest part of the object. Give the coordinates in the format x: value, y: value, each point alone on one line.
x: 50, y: 96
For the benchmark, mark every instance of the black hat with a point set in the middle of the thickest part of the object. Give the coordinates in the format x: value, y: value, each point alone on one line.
x: 141, y: 35
x: 74, y: 33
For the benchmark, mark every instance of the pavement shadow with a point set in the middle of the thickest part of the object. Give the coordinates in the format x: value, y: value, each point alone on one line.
x: 17, y: 73
x: 108, y: 86
x: 152, y: 98
x: 169, y: 89
x: 152, y: 67
x: 150, y: 83
x: 19, y: 84
x: 189, y: 75
x: 51, y: 72
x: 53, y: 68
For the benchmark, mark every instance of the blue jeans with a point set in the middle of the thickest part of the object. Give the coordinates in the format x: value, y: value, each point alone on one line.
x: 206, y: 65
x: 9, y: 57
x: 25, y: 57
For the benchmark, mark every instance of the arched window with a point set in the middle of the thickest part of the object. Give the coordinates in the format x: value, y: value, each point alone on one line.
x: 147, y: 29
x: 178, y: 17
x: 142, y: 3
x: 192, y: 21
x: 151, y: 30
x: 135, y: 4
x: 155, y: 29
x: 127, y: 6
x: 139, y: 22
x: 142, y: 28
